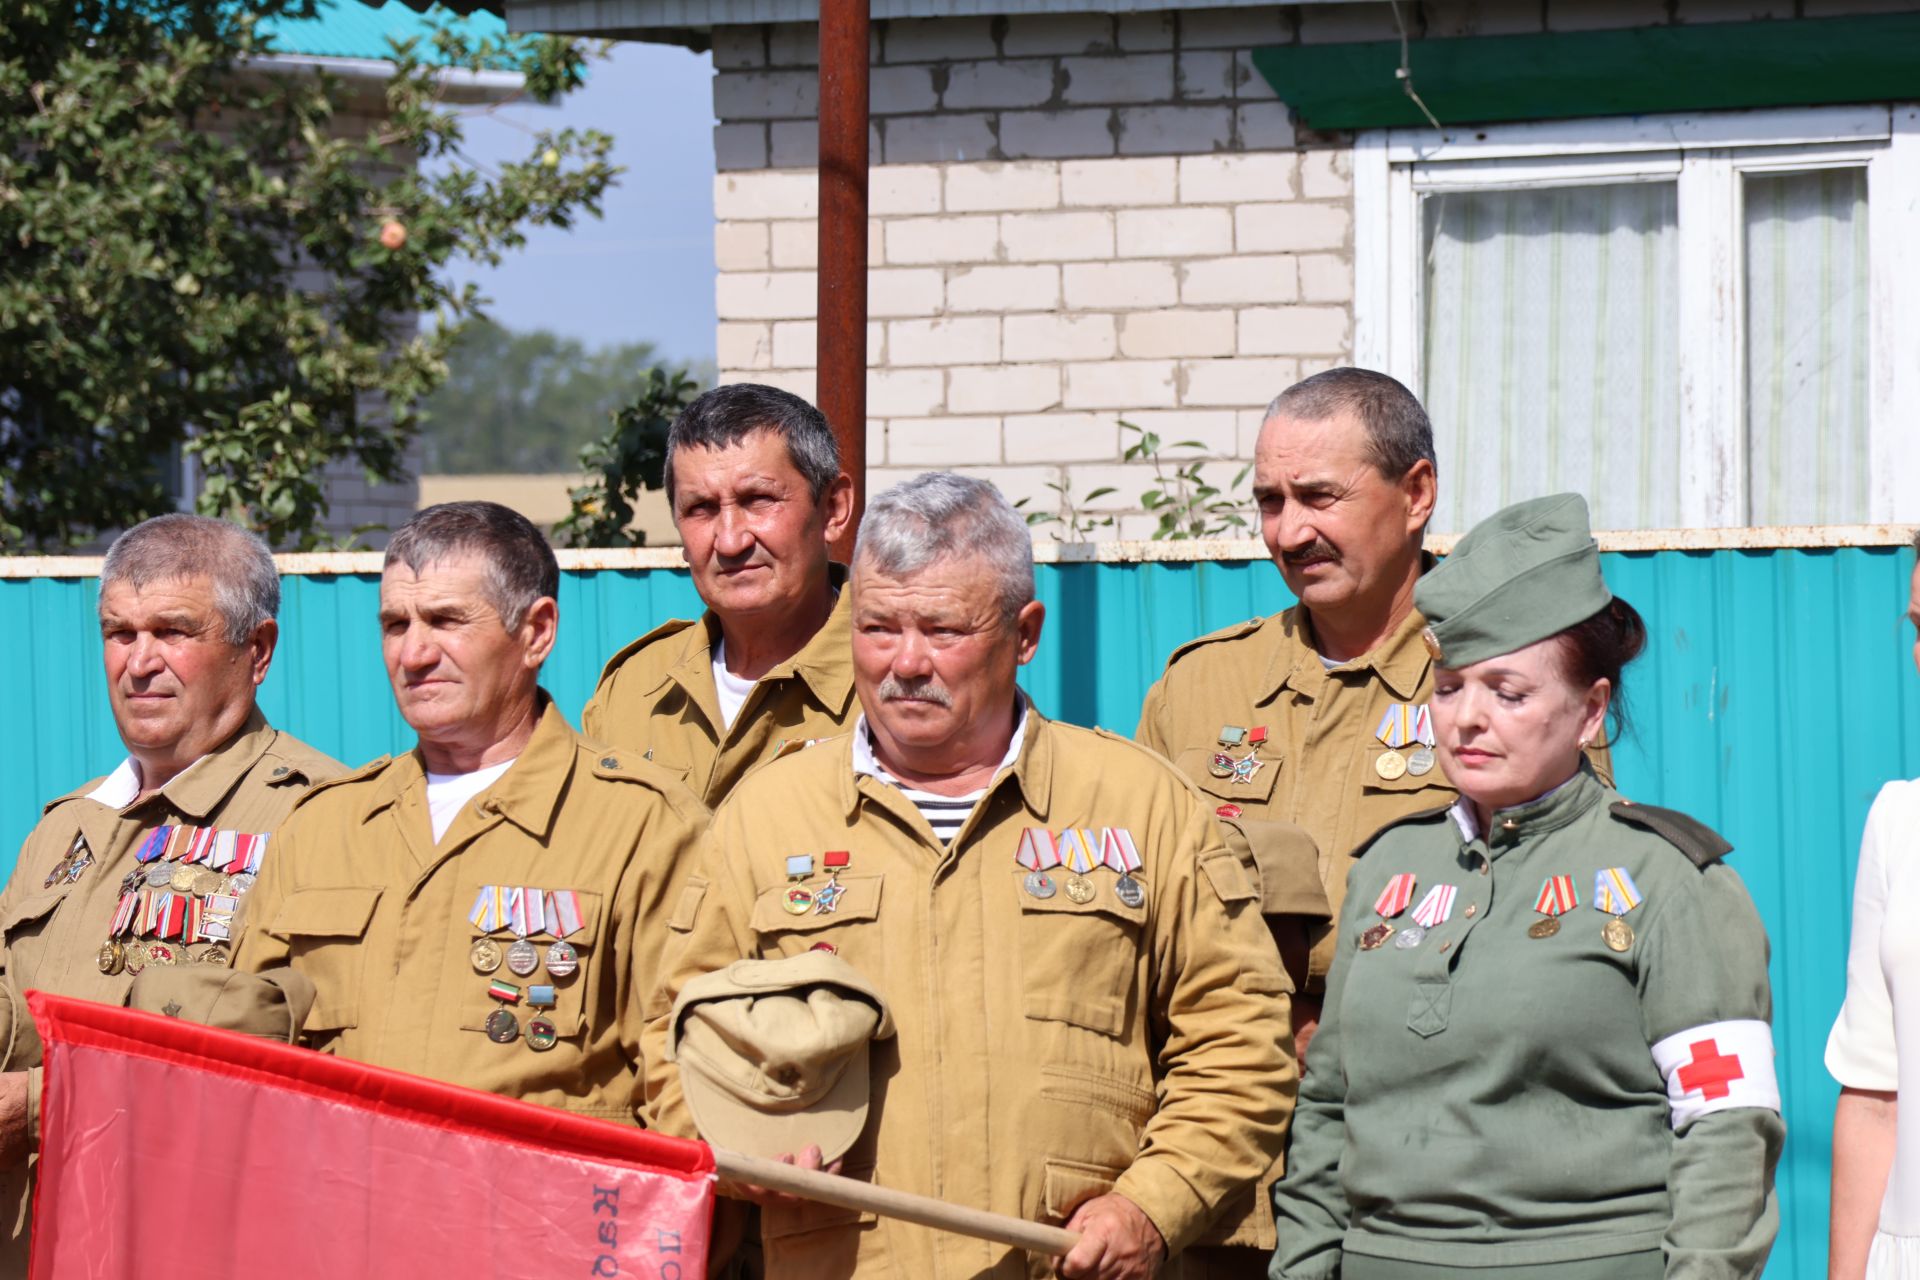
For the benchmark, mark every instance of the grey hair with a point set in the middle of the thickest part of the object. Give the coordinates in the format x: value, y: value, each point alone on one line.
x: 520, y: 565
x: 177, y: 547
x: 725, y: 416
x: 941, y: 516
x: 1399, y: 433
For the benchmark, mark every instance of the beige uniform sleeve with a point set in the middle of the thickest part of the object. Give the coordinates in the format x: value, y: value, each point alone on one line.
x: 1153, y: 730
x: 668, y: 848
x: 1223, y: 1043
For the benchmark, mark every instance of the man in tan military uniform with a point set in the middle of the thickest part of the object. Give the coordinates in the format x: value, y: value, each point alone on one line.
x: 187, y: 608
x: 1308, y: 730
x: 1080, y: 987
x: 758, y: 496
x: 486, y: 908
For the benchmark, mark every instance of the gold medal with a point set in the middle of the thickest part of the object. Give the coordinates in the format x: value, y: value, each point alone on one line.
x: 1389, y: 765
x: 1545, y: 927
x: 1618, y: 934
x: 485, y: 955
x: 1221, y: 766
x: 798, y: 901
x: 1080, y: 889
x: 181, y: 881
x: 161, y: 953
x: 134, y: 958
x: 112, y: 958
x: 206, y: 881
x: 1376, y: 937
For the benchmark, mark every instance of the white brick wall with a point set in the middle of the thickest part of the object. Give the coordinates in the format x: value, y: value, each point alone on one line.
x: 1077, y: 221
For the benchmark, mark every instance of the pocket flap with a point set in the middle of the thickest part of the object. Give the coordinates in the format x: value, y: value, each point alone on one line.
x: 325, y: 913
x: 1406, y: 783
x: 859, y: 900
x: 1071, y: 1183
x: 33, y: 906
x: 1196, y: 763
x: 1286, y: 866
x: 1228, y: 877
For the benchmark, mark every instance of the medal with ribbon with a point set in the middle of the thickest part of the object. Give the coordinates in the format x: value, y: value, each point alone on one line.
x: 1118, y: 852
x: 1079, y: 853
x: 1433, y: 911
x: 489, y: 913
x: 563, y: 918
x: 1557, y: 897
x: 1420, y: 760
x: 1395, y: 730
x: 1039, y: 854
x: 1392, y: 901
x: 1615, y: 893
x: 524, y: 907
x: 799, y: 899
x: 827, y: 901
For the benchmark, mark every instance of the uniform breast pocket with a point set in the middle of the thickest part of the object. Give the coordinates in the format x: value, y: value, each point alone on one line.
x: 1394, y: 778
x: 1248, y: 780
x: 1080, y: 958
x: 325, y: 931
x: 572, y: 967
x: 787, y: 923
x: 30, y: 915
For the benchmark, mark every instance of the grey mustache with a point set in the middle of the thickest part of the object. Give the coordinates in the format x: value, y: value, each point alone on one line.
x: 925, y: 689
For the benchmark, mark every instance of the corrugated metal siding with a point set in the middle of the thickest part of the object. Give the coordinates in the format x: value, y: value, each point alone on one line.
x: 1775, y: 698
x: 352, y: 29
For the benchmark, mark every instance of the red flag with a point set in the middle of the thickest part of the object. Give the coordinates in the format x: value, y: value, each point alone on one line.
x: 235, y: 1156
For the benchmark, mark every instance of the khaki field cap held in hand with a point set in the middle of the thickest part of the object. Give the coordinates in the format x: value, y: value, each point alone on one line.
x: 773, y: 1053
x: 1524, y: 573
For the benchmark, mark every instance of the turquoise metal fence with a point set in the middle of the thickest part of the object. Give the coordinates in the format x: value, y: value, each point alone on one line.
x: 1776, y: 696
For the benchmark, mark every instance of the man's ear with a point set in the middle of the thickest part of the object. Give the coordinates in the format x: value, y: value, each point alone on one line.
x: 539, y: 629
x: 260, y: 646
x: 1028, y: 623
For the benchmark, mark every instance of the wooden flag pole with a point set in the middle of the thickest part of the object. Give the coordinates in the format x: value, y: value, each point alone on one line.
x: 867, y: 1198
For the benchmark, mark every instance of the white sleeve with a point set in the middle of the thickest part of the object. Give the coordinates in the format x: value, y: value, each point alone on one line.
x: 1860, y: 1050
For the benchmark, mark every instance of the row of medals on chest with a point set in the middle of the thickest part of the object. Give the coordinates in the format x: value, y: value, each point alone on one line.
x: 219, y: 895
x: 1615, y: 894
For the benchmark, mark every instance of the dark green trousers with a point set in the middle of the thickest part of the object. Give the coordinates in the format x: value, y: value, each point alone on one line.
x: 1649, y: 1265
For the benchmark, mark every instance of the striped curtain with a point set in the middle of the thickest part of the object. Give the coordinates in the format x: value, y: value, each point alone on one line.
x: 1551, y: 350
x: 1806, y: 260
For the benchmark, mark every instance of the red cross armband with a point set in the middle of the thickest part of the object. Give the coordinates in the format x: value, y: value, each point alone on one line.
x: 1717, y: 1067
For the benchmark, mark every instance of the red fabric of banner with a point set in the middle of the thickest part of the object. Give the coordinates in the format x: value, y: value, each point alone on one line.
x: 171, y: 1145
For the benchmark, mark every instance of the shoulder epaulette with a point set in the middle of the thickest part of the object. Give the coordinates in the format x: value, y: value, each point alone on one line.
x: 1419, y: 815
x: 1701, y: 843
x: 671, y: 627
x: 368, y: 770
x: 1234, y: 632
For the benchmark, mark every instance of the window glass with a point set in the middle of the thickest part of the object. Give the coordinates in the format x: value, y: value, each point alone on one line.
x: 1806, y: 340
x: 1551, y: 345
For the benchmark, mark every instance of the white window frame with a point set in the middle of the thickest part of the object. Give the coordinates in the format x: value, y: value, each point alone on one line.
x: 1706, y: 154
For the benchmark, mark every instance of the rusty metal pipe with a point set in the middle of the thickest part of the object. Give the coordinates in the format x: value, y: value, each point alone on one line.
x: 842, y: 311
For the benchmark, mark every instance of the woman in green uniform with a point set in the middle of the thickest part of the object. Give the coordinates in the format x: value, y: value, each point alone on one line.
x: 1546, y: 1049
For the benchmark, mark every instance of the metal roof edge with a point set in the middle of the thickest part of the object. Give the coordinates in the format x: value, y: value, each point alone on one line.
x: 629, y: 559
x: 675, y: 20
x: 463, y: 86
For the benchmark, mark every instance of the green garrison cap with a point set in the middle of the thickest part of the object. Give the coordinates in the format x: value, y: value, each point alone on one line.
x: 1522, y: 574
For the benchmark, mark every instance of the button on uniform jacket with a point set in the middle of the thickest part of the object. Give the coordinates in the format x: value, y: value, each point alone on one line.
x: 358, y: 897
x: 1046, y: 1050
x: 53, y: 932
x: 656, y: 696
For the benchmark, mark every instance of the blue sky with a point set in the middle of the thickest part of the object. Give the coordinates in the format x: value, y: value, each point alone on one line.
x: 644, y: 272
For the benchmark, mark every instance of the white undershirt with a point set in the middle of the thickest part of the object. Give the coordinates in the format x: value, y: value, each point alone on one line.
x: 730, y: 688
x: 448, y: 793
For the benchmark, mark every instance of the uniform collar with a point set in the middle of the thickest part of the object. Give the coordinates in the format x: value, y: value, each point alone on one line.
x: 527, y: 795
x: 1557, y: 808
x: 824, y: 663
x: 1401, y: 661
x: 1029, y: 763
x: 202, y: 786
